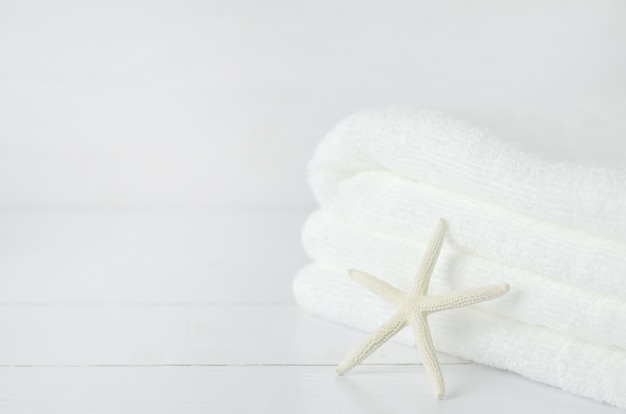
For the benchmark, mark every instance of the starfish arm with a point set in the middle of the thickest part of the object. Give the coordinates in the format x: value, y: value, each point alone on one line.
x: 431, y: 255
x: 424, y: 342
x: 380, y: 287
x: 373, y: 342
x: 463, y: 298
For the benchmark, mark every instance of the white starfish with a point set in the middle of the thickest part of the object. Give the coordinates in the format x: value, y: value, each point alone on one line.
x: 414, y: 308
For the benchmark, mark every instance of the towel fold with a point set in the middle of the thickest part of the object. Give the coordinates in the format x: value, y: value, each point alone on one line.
x: 534, y: 298
x: 555, y: 231
x: 580, y: 367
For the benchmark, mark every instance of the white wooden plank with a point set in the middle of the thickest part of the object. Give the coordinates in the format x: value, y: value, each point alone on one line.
x: 210, y: 101
x: 380, y: 389
x: 143, y: 256
x: 178, y: 334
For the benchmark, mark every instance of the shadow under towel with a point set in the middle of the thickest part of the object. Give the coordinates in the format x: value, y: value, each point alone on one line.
x: 551, y: 223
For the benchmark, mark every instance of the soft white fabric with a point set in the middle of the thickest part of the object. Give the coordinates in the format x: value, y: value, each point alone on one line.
x: 555, y: 231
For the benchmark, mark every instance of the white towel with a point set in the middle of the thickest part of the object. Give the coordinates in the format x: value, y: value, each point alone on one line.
x: 556, y: 231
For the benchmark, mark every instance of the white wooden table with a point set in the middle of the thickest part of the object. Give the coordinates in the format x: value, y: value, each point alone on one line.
x: 194, y: 314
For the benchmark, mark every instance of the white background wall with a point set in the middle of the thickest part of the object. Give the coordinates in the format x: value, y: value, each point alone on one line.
x: 156, y: 150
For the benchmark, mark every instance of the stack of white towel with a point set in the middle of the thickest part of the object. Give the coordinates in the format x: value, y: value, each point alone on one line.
x: 554, y: 230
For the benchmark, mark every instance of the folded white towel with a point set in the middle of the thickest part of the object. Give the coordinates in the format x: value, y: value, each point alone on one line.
x: 555, y: 231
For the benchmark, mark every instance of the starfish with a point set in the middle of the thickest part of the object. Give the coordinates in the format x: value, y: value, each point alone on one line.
x: 413, y: 309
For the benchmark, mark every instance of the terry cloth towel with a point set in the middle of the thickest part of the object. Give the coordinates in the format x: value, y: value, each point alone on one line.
x: 553, y: 227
